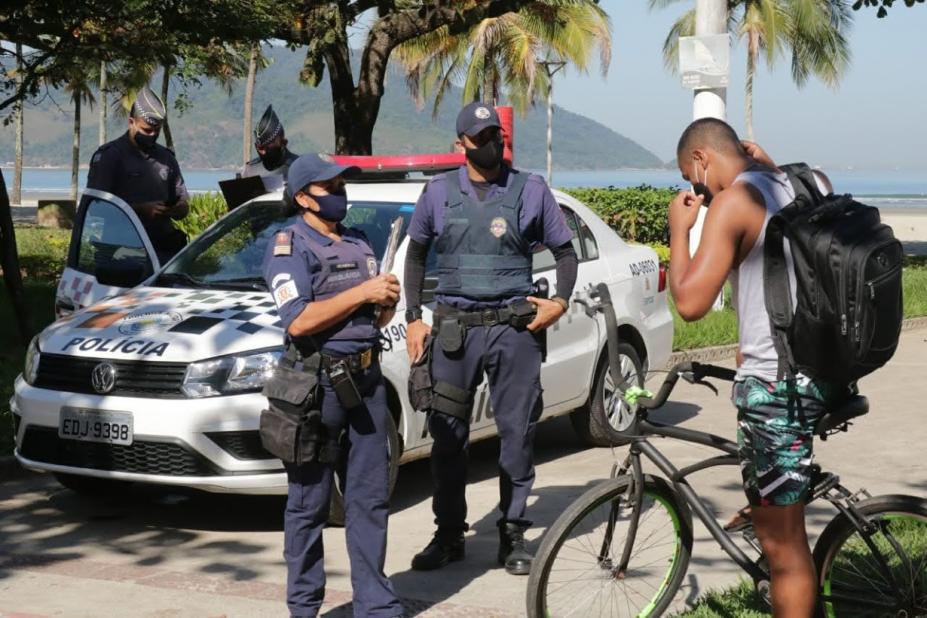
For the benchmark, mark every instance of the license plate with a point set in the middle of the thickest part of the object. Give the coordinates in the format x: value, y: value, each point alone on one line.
x: 95, y: 426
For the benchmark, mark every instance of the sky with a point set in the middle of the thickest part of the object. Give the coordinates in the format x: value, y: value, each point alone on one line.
x: 875, y: 120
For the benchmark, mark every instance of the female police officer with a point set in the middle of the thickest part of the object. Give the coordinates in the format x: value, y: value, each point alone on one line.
x: 324, y: 280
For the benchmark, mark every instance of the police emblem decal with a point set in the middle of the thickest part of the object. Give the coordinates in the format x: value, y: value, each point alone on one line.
x: 498, y: 227
x: 481, y: 112
x: 372, y: 266
x: 163, y: 173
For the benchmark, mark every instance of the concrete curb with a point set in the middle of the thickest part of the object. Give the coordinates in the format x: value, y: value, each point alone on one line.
x: 726, y: 352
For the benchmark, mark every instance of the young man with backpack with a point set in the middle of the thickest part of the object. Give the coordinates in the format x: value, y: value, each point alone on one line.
x: 778, y: 403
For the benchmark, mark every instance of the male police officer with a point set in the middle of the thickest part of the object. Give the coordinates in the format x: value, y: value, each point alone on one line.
x: 145, y: 175
x: 274, y: 158
x: 324, y: 281
x: 485, y: 220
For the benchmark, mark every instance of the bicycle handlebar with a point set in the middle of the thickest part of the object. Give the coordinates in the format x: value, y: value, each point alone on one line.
x: 691, y: 372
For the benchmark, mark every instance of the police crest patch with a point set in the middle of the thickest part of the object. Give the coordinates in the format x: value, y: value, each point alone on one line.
x: 498, y: 227
x: 283, y: 243
x: 481, y: 112
x: 372, y: 266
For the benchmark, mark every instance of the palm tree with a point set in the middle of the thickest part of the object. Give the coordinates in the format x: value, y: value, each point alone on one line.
x: 813, y: 31
x: 503, y: 55
x: 20, y: 128
x: 80, y: 92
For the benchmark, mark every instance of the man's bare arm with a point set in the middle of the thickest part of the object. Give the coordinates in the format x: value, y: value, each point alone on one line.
x: 696, y: 282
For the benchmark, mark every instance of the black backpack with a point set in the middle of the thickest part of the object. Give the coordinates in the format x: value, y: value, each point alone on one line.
x: 848, y: 314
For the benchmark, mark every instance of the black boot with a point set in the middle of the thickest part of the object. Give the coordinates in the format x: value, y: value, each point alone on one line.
x: 513, y: 551
x: 446, y: 546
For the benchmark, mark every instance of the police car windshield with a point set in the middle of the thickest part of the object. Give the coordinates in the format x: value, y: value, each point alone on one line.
x: 230, y: 254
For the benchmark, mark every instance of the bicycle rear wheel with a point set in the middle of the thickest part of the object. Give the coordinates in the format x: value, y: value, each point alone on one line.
x: 881, y: 571
x: 577, y: 570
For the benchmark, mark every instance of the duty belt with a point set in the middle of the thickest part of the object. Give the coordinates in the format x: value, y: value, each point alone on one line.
x: 355, y: 362
x: 482, y: 317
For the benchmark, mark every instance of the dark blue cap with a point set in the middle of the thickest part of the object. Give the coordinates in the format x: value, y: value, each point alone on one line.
x: 475, y: 117
x: 314, y: 167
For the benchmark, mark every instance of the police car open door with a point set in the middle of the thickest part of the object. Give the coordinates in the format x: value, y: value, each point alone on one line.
x: 109, y: 253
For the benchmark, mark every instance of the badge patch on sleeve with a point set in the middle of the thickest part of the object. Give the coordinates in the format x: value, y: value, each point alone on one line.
x: 285, y: 293
x: 372, y: 266
x: 283, y: 243
x: 498, y: 227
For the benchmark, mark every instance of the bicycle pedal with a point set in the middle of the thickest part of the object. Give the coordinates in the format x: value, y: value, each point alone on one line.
x: 824, y: 484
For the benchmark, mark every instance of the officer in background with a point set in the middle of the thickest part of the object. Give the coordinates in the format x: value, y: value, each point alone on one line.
x: 485, y: 220
x: 324, y: 280
x: 145, y: 175
x: 274, y: 158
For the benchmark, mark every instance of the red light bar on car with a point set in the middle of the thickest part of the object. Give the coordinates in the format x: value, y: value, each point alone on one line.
x: 434, y: 162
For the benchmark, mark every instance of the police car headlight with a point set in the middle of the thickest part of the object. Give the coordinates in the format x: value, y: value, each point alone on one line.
x: 31, y: 366
x: 230, y: 374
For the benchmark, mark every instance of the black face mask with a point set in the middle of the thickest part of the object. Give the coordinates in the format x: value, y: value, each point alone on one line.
x: 146, y: 142
x: 701, y: 188
x: 272, y: 158
x: 488, y: 156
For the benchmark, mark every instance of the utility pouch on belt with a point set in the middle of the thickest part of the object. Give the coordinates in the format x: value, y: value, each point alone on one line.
x: 421, y: 387
x: 451, y: 334
x: 344, y: 386
x: 523, y: 313
x: 290, y: 428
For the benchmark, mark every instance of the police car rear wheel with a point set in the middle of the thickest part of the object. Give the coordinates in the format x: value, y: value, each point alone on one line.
x: 91, y: 485
x: 336, y: 508
x: 600, y: 421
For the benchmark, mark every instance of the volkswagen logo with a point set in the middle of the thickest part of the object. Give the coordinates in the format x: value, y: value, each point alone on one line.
x: 103, y: 378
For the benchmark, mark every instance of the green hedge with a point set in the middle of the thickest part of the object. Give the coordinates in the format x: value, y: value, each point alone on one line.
x: 205, y: 209
x: 638, y: 214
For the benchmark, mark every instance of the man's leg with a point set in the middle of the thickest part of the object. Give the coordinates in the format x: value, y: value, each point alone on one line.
x: 366, y: 500
x: 449, y: 452
x: 781, y: 532
x: 513, y: 366
x: 775, y: 430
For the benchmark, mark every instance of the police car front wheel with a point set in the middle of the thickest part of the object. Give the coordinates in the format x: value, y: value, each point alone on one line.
x: 601, y: 421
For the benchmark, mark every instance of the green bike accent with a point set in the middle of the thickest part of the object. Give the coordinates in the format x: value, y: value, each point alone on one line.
x: 669, y: 574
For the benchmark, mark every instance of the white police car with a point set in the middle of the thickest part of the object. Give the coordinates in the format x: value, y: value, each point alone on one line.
x: 161, y: 383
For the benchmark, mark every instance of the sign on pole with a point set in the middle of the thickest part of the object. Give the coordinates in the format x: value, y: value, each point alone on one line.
x: 704, y: 61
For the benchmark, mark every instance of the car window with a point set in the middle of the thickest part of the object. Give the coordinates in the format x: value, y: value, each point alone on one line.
x: 234, y: 250
x: 110, y: 247
x: 582, y: 239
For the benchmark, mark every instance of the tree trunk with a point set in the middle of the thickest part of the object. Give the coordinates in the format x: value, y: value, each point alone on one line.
x: 249, y: 101
x: 165, y: 89
x: 355, y: 108
x: 9, y: 261
x: 752, y: 53
x: 104, y: 103
x: 18, y: 169
x: 75, y: 148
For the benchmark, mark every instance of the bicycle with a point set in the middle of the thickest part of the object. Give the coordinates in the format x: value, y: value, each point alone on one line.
x: 634, y: 530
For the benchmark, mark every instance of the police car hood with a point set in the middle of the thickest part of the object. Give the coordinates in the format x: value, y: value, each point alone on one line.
x: 168, y: 325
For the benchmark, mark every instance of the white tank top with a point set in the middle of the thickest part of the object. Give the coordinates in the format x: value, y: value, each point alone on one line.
x: 748, y: 294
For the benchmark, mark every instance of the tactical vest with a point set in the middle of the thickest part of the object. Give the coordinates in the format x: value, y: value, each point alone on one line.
x: 481, y: 251
x: 343, y: 266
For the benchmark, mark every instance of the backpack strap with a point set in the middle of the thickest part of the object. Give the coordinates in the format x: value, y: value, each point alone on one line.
x: 803, y: 181
x: 778, y: 294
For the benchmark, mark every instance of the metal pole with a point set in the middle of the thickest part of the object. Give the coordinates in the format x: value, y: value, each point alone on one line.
x: 710, y: 18
x: 550, y: 67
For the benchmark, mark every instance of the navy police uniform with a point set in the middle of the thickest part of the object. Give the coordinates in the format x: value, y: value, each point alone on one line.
x: 302, y: 266
x: 139, y: 175
x: 484, y: 246
x: 273, y: 178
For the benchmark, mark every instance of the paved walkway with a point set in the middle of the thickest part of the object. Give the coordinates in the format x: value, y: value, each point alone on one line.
x: 151, y: 554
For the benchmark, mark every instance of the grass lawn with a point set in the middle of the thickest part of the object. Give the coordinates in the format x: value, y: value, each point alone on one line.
x: 741, y: 601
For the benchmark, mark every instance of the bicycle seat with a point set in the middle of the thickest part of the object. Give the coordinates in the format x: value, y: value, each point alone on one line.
x: 851, y: 408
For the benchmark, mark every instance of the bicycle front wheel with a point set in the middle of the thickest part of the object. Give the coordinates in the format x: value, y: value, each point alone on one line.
x: 579, y: 570
x: 878, y: 571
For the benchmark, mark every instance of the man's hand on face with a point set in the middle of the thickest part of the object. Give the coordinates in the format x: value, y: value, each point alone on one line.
x: 683, y: 211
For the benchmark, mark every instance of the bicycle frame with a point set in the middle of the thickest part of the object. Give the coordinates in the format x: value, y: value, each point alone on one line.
x: 641, y: 446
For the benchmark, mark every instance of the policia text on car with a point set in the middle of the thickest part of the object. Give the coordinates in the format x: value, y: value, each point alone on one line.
x: 327, y: 398
x: 485, y: 220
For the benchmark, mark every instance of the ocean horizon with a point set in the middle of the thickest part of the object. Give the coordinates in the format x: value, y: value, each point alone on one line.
x: 883, y: 189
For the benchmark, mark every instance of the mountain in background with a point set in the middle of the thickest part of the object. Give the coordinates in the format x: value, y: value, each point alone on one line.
x: 208, y: 134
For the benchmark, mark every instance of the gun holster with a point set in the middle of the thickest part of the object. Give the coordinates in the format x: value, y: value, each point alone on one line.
x: 291, y: 426
x: 421, y: 386
x: 523, y: 313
